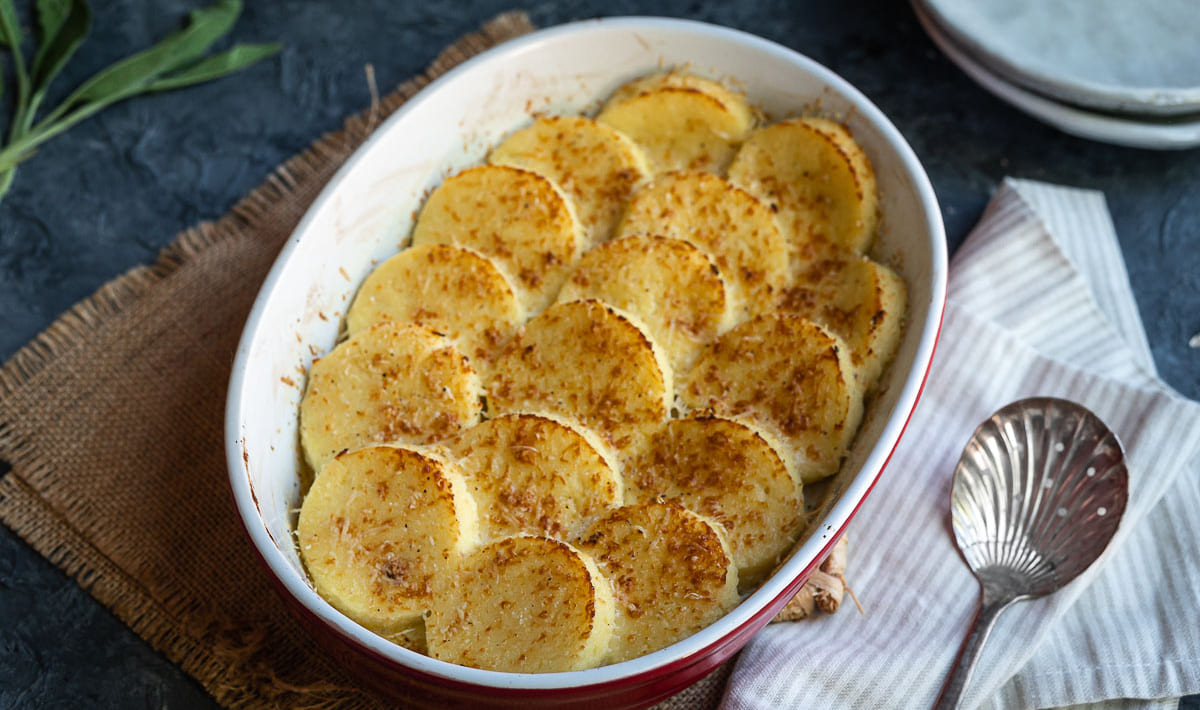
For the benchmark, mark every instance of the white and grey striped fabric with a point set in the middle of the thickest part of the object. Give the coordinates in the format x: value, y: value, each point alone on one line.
x: 1039, y: 304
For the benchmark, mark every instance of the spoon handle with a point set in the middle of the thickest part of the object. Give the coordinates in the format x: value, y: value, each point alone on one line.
x: 989, y: 608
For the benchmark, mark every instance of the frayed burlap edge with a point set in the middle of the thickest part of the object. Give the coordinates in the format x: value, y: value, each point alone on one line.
x: 300, y: 179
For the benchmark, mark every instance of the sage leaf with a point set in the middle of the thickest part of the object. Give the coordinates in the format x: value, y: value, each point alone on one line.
x: 216, y: 66
x: 10, y: 29
x: 176, y: 61
x: 51, y: 15
x: 133, y: 75
x: 57, y: 49
x: 10, y: 35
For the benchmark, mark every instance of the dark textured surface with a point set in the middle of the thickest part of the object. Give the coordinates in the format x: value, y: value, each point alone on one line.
x: 110, y: 193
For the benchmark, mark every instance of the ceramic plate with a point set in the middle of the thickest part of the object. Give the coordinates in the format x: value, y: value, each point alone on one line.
x: 1139, y: 57
x: 1159, y: 134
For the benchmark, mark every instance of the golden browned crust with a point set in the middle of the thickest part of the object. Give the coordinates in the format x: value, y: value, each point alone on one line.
x: 516, y: 217
x: 681, y: 127
x: 673, y: 288
x: 451, y: 290
x: 523, y: 604
x: 390, y: 382
x: 733, y: 100
x: 862, y: 301
x: 596, y: 166
x: 734, y: 227
x: 751, y: 288
x: 377, y: 526
x: 729, y: 472
x: 671, y: 574
x: 534, y: 474
x: 585, y: 361
x: 789, y: 375
x: 864, y: 177
x: 824, y: 198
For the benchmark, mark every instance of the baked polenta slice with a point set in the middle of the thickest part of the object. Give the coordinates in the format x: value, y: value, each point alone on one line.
x: 535, y: 474
x: 516, y: 217
x: 449, y: 289
x: 733, y: 99
x: 733, y: 226
x: 390, y: 382
x: 596, y: 166
x: 864, y: 175
x: 671, y: 574
x: 818, y: 179
x: 729, y: 472
x: 681, y: 121
x: 587, y: 362
x: 670, y: 286
x: 790, y: 376
x: 862, y: 301
x: 377, y: 526
x: 522, y: 604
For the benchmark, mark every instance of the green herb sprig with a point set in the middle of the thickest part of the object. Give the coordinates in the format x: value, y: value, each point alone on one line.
x: 175, y: 62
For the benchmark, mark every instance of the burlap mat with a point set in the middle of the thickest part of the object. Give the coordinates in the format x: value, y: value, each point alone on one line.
x: 112, y: 421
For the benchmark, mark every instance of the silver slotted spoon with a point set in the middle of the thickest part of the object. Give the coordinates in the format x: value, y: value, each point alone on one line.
x: 1038, y: 494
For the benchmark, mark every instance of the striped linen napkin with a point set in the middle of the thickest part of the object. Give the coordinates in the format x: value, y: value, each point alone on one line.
x: 1039, y: 304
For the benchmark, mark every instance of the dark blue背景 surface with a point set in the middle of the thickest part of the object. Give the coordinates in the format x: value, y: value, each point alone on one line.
x: 110, y: 193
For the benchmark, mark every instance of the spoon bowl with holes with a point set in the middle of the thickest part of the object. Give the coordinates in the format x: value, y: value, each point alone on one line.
x: 1038, y: 494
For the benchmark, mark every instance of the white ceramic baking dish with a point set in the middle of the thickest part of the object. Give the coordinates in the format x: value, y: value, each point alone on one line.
x: 365, y: 214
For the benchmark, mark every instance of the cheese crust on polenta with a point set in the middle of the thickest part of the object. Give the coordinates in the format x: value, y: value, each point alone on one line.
x: 575, y: 420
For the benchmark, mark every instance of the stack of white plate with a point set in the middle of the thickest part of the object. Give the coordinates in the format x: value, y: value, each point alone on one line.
x: 1119, y: 71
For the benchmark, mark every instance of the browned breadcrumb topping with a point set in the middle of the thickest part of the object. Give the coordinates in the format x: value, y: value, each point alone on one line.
x: 729, y: 223
x: 520, y: 603
x: 734, y: 291
x: 517, y: 217
x: 727, y: 471
x: 383, y: 521
x: 778, y: 369
x: 388, y: 383
x: 582, y: 359
x: 593, y: 164
x: 533, y: 475
x: 710, y: 148
x: 670, y: 572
